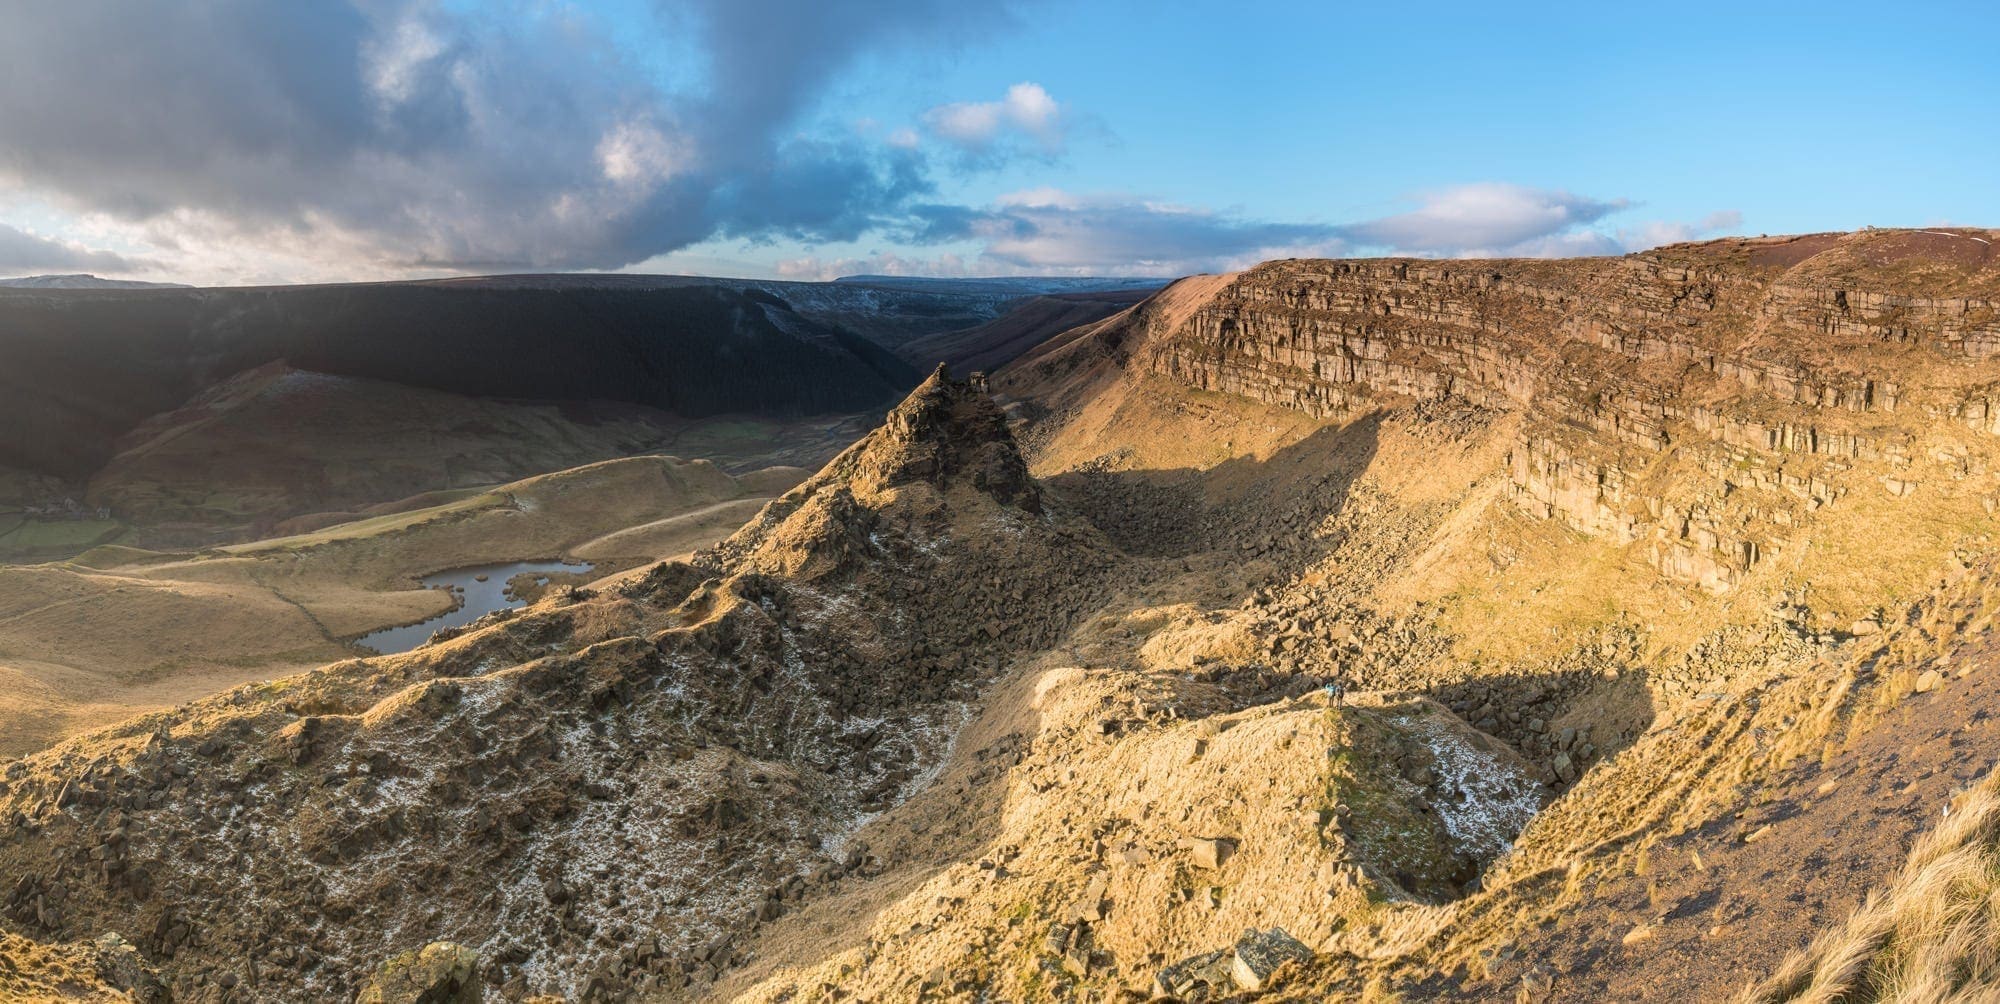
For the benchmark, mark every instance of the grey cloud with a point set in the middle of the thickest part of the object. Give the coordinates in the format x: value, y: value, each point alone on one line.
x: 1057, y: 233
x: 823, y: 192
x: 395, y: 134
x: 442, y: 136
x: 21, y: 251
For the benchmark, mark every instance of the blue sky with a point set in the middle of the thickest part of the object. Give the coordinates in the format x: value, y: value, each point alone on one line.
x: 242, y: 141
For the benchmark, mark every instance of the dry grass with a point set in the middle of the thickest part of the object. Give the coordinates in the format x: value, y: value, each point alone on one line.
x: 1933, y: 936
x: 86, y: 644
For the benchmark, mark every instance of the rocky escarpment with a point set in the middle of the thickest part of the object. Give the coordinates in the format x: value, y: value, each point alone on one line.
x: 599, y: 795
x: 1706, y: 399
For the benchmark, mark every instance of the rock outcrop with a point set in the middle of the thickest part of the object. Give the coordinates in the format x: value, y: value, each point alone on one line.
x: 438, y: 973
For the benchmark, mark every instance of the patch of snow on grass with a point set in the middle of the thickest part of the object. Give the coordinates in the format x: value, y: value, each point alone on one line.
x: 1493, y: 801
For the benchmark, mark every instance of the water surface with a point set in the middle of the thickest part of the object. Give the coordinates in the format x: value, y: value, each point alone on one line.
x: 479, y: 590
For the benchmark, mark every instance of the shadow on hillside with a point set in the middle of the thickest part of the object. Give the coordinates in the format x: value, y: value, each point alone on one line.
x: 1563, y: 719
x: 1253, y: 507
x: 1282, y: 509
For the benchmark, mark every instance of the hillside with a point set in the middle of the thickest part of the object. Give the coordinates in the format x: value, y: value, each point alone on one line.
x: 82, y: 281
x: 711, y: 733
x: 81, y: 368
x: 1029, y: 323
x: 173, y: 418
x: 1533, y: 630
x: 274, y: 447
x: 120, y: 631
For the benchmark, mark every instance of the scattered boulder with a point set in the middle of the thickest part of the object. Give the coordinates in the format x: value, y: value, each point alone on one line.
x: 120, y: 965
x: 1210, y: 852
x: 1260, y: 953
x: 1209, y: 970
x: 438, y: 973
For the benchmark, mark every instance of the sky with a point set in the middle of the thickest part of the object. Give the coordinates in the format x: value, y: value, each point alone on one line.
x: 247, y: 141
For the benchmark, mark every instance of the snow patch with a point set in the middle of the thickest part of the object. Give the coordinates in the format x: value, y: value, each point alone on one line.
x: 1489, y: 801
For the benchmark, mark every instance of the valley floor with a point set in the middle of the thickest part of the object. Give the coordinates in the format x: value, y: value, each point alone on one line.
x: 120, y: 631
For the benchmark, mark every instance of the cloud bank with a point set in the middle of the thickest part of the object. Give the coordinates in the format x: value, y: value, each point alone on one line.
x: 378, y: 138
x: 1052, y: 232
x: 1482, y: 217
x: 424, y: 135
x: 22, y: 252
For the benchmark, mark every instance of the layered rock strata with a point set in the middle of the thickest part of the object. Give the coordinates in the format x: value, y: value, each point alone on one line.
x: 1777, y: 370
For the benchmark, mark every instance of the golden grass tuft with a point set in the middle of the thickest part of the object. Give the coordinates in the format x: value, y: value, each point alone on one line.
x: 1931, y: 937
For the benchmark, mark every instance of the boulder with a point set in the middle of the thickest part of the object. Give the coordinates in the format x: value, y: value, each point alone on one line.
x: 1210, y: 852
x: 1260, y: 953
x: 1209, y: 970
x: 121, y: 967
x: 438, y: 973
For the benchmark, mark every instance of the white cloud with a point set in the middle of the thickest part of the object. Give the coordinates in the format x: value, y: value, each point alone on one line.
x: 1500, y: 220
x: 1481, y: 215
x: 1045, y: 197
x: 635, y: 153
x: 393, y: 62
x: 981, y: 127
x: 1049, y: 231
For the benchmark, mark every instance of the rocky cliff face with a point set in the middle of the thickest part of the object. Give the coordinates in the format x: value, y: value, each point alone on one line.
x: 1786, y: 372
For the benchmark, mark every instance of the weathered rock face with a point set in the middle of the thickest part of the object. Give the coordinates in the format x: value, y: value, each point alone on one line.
x: 1778, y: 371
x: 598, y: 795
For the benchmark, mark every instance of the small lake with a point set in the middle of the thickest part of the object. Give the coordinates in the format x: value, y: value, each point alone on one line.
x: 479, y: 590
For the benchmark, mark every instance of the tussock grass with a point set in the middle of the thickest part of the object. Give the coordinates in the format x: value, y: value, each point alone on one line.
x: 1931, y: 937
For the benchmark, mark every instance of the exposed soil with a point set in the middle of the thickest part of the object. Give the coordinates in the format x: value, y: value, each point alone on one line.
x: 1837, y: 828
